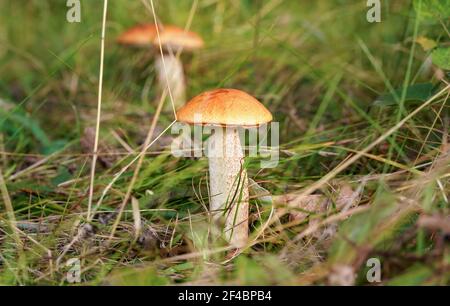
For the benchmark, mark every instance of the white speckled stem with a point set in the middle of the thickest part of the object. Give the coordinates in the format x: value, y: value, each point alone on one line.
x: 229, y: 186
x: 175, y: 77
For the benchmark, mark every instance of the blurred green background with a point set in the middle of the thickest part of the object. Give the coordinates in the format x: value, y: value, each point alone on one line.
x: 334, y: 81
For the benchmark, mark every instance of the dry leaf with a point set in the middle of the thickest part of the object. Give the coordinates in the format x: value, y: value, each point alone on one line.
x: 426, y: 43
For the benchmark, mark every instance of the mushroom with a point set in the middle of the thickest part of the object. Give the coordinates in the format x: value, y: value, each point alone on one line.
x: 227, y: 112
x: 172, y: 39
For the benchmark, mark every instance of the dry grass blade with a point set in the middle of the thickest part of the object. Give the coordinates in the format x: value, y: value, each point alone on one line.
x: 99, y: 109
x: 10, y: 212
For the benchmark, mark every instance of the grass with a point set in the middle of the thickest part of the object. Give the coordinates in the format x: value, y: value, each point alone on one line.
x: 363, y: 170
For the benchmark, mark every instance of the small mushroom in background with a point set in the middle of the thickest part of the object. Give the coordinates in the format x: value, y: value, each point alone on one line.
x: 173, y: 40
x: 227, y: 111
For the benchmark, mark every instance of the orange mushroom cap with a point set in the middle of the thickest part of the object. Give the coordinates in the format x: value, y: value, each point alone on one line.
x: 224, y: 107
x: 139, y: 35
x: 170, y: 36
x: 176, y: 38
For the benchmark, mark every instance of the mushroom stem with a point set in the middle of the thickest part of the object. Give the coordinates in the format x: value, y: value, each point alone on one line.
x: 229, y: 185
x: 175, y: 79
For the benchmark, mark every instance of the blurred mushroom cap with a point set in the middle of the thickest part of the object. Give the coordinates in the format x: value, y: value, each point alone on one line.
x: 177, y: 38
x: 170, y: 36
x: 140, y: 35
